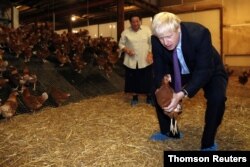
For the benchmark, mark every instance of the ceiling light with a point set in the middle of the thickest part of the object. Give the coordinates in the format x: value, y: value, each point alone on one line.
x: 73, y: 18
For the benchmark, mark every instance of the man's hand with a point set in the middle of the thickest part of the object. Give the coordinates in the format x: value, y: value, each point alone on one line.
x: 174, y: 102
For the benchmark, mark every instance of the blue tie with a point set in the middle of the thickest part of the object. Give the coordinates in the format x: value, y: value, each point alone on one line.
x: 177, y: 73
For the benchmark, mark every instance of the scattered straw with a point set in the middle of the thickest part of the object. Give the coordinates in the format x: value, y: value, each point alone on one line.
x: 107, y: 131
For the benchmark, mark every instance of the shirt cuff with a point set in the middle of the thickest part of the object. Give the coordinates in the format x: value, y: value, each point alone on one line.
x: 185, y: 93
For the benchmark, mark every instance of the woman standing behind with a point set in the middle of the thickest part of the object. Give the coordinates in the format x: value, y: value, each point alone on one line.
x: 135, y: 42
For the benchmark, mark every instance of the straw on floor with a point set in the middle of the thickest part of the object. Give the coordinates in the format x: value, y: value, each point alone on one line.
x: 107, y: 131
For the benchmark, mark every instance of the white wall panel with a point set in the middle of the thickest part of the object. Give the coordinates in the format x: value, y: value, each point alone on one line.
x: 210, y: 19
x: 147, y: 21
x: 108, y: 30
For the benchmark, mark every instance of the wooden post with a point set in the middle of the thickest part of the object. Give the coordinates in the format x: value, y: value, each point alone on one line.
x: 12, y: 17
x: 70, y: 24
x: 120, y: 18
x: 54, y: 22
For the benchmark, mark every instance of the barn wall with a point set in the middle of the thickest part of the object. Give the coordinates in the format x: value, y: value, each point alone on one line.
x: 236, y: 30
x: 230, y: 33
x: 107, y: 29
x: 210, y: 19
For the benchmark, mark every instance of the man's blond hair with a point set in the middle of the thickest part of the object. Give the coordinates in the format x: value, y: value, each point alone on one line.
x: 165, y: 22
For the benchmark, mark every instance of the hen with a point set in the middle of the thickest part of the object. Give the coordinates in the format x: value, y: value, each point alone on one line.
x: 61, y: 57
x: 108, y: 69
x: 14, y: 77
x: 3, y: 66
x: 243, y: 78
x: 33, y: 102
x: 228, y: 70
x: 3, y: 82
x: 114, y: 53
x: 28, y: 78
x: 8, y: 109
x: 1, y: 53
x: 58, y: 95
x: 164, y: 96
x: 78, y: 63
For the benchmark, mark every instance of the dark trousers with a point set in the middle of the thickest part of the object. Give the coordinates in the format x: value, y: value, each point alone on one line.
x: 215, y: 94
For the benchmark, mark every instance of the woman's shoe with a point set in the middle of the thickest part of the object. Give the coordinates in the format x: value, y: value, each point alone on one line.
x: 150, y: 100
x: 134, y: 100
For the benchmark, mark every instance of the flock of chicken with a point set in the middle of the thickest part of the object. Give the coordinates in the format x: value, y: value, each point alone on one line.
x: 242, y: 78
x: 67, y: 48
x: 22, y: 86
x: 39, y: 40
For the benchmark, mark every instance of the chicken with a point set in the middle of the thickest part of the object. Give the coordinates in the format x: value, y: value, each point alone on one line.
x: 27, y: 51
x: 243, y: 78
x: 1, y: 53
x: 3, y: 66
x: 13, y: 76
x: 165, y: 93
x: 114, y: 53
x: 228, y: 70
x: 164, y: 96
x: 113, y: 58
x: 33, y: 102
x: 101, y: 59
x: 28, y: 78
x: 78, y: 63
x: 58, y: 95
x: 108, y: 69
x: 62, y: 58
x: 43, y: 51
x: 3, y: 82
x: 8, y: 109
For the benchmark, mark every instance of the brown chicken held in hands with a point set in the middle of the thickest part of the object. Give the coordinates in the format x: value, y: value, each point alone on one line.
x: 164, y: 96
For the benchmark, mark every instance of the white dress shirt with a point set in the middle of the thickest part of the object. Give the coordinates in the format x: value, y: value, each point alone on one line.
x: 184, y: 68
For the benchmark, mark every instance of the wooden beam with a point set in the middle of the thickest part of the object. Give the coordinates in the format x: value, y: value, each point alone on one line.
x: 64, y: 10
x: 190, y: 8
x: 120, y: 18
x: 144, y: 5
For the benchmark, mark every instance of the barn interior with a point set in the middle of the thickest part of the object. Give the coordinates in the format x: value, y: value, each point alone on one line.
x: 94, y: 124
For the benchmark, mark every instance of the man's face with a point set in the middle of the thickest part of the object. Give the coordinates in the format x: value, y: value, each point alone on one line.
x: 135, y: 23
x: 170, y: 39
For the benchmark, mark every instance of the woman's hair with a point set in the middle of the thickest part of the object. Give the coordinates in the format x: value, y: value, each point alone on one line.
x: 165, y: 22
x: 134, y: 15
